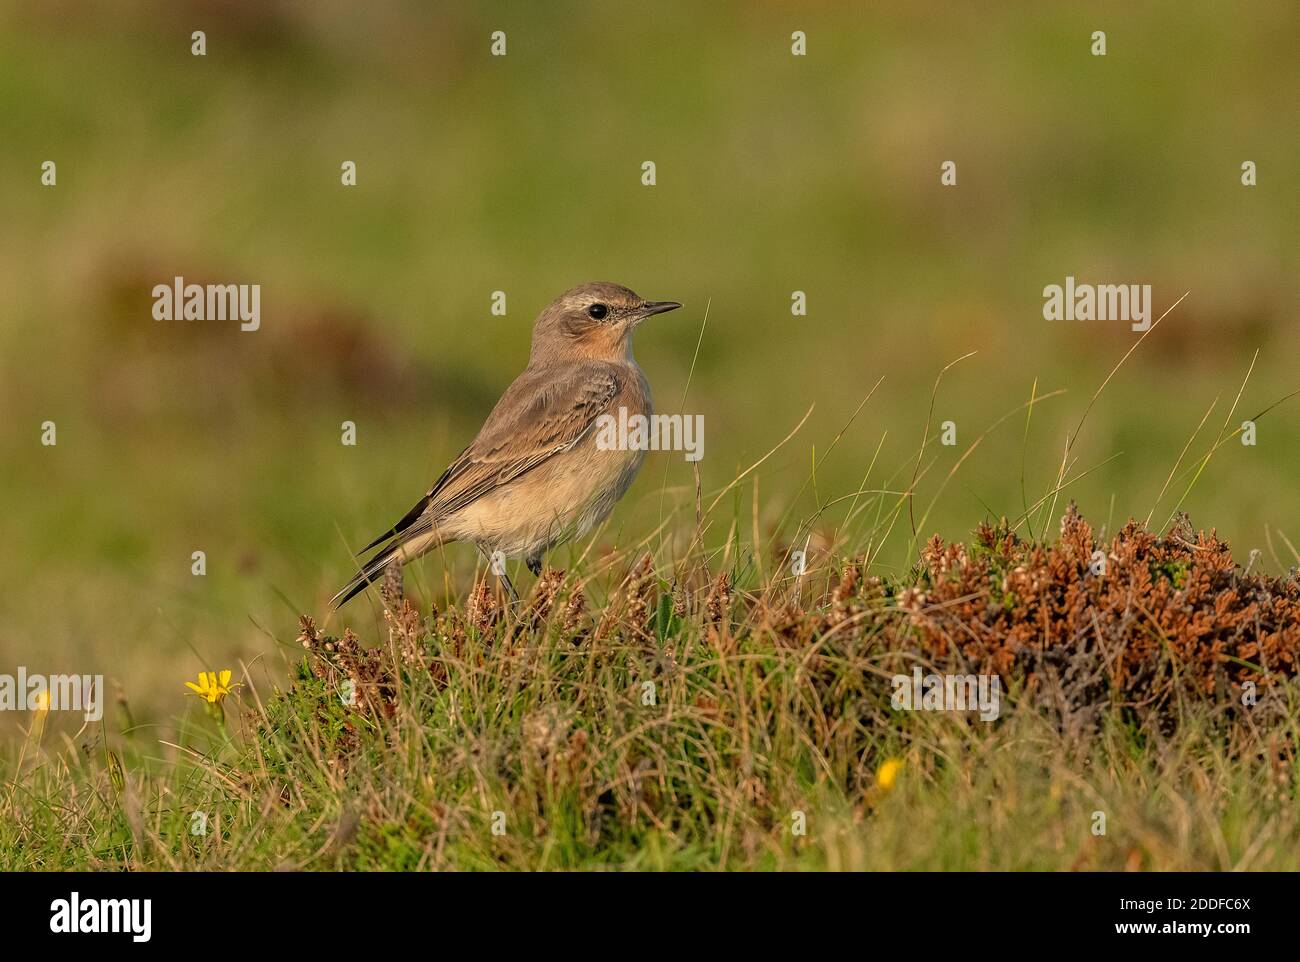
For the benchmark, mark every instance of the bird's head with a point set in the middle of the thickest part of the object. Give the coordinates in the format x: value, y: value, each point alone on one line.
x: 593, y: 321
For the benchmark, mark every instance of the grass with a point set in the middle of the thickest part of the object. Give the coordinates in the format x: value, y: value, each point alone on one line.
x: 715, y: 721
x: 712, y: 710
x: 672, y: 706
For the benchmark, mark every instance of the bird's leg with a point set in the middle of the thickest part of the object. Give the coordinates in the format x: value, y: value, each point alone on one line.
x: 497, y: 565
x: 535, y: 564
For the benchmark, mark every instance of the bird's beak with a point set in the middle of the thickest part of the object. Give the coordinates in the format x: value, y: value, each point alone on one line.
x: 649, y: 308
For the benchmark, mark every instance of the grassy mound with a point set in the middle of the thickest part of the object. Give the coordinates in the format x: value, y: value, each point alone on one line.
x: 1150, y: 722
x: 680, y: 709
x: 1141, y: 623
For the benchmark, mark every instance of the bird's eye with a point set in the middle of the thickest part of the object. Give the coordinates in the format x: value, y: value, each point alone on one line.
x: 597, y: 311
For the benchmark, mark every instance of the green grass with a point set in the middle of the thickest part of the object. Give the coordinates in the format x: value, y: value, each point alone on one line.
x: 554, y: 744
x: 660, y: 726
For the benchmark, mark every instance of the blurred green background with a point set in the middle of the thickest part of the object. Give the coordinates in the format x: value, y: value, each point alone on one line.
x: 522, y: 173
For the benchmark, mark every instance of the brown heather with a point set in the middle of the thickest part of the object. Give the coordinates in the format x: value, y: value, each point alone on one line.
x: 1169, y: 617
x: 1171, y: 620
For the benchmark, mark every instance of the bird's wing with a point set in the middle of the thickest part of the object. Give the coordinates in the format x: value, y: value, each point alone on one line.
x: 544, y: 412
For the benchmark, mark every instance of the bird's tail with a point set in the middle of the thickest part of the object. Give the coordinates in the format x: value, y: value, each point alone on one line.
x: 393, y: 553
x: 370, y: 572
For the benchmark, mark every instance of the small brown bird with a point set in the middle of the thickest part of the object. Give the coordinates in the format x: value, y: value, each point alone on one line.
x: 535, y: 476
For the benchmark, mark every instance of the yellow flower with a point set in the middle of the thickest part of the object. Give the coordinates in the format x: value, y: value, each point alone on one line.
x: 211, y: 687
x: 41, y: 702
x: 887, y: 773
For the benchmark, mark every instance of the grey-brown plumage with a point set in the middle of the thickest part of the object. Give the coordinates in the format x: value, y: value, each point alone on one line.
x: 534, y: 476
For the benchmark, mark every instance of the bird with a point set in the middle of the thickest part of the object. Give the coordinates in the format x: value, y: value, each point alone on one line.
x: 534, y: 476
